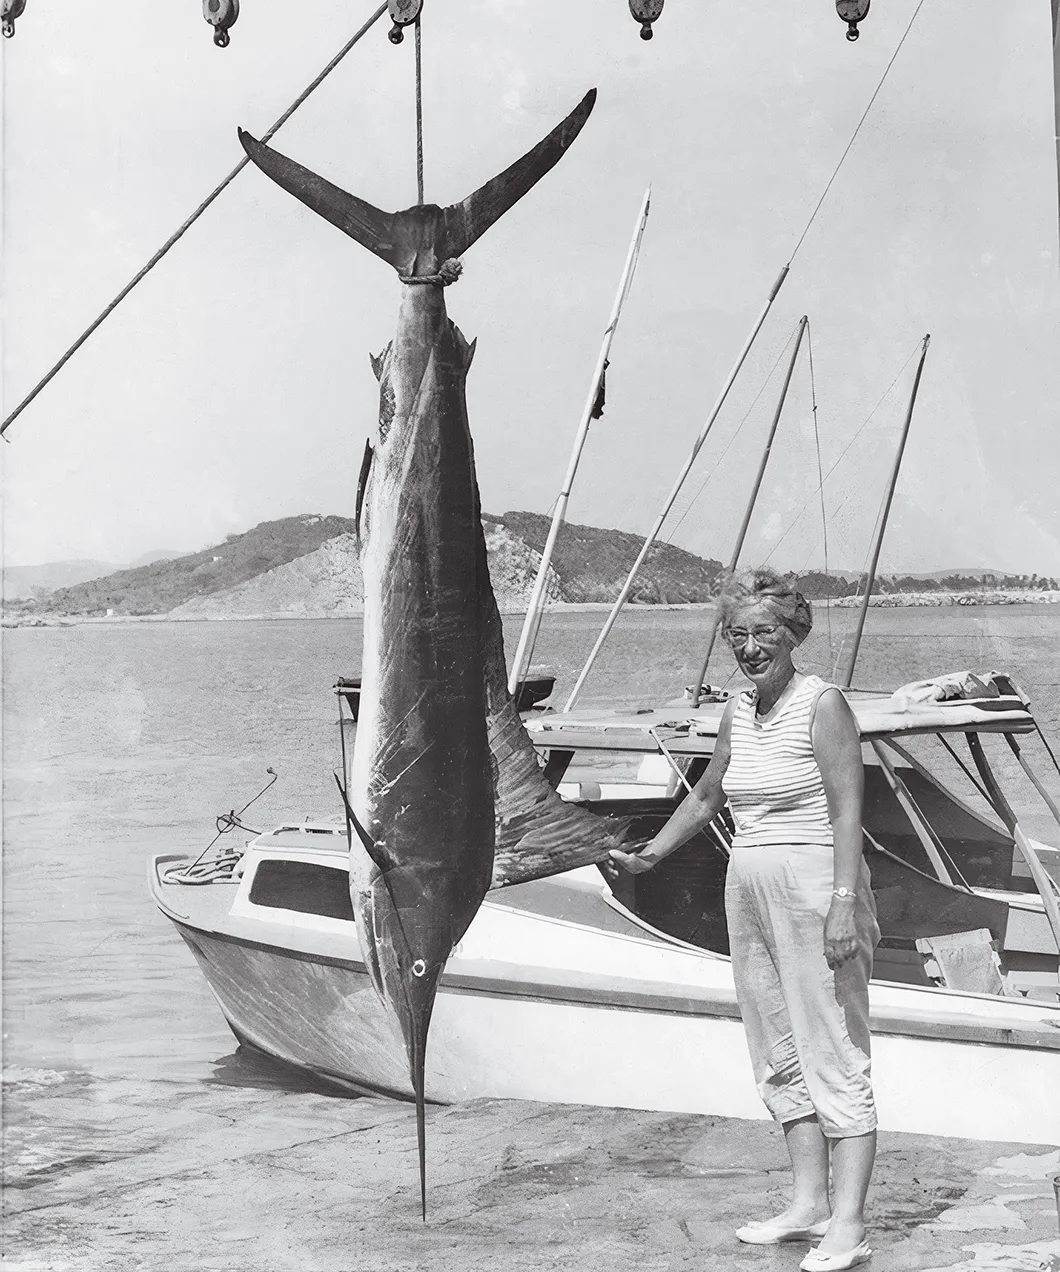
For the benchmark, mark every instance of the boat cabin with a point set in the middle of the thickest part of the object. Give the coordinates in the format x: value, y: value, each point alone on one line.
x: 947, y: 854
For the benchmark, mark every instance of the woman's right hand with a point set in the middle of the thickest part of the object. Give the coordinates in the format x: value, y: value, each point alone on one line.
x: 632, y: 862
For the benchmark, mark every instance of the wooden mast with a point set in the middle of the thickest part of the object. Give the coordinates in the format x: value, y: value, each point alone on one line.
x: 741, y: 534
x: 871, y: 578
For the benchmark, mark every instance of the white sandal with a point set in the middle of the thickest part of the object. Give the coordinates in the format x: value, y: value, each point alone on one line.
x: 771, y: 1234
x: 816, y: 1261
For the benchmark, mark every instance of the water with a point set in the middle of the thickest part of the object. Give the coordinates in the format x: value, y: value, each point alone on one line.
x: 126, y: 740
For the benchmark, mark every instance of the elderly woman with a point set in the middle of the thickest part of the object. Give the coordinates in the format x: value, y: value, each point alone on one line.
x: 801, y: 917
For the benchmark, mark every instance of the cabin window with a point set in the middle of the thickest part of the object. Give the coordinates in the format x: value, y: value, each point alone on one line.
x: 303, y: 886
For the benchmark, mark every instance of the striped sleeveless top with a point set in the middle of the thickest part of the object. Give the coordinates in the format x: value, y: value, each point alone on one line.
x: 772, y: 783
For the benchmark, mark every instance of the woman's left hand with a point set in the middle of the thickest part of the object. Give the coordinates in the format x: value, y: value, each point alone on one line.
x: 840, y: 934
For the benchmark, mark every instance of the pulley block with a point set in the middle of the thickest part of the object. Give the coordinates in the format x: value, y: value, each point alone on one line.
x: 221, y: 15
x: 852, y: 12
x: 645, y: 12
x: 403, y: 13
x: 9, y: 11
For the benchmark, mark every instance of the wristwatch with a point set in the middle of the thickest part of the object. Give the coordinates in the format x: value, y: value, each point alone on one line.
x: 844, y: 892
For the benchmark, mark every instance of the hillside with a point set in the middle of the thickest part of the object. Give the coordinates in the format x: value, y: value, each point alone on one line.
x: 161, y: 586
x: 308, y: 566
x: 328, y: 583
x: 592, y: 563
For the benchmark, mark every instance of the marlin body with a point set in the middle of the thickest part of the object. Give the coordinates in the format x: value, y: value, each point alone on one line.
x: 422, y: 779
x: 445, y: 797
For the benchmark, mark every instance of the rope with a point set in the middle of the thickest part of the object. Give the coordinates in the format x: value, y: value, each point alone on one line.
x: 820, y: 473
x: 419, y: 116
x: 448, y: 272
x: 190, y: 221
x: 864, y: 426
x: 765, y: 384
x: 854, y: 137
x: 217, y: 870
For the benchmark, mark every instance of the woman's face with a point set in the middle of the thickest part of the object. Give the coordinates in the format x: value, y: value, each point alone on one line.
x: 758, y: 639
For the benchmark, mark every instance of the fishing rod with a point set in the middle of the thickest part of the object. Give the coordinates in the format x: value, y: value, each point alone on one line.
x: 871, y: 576
x: 741, y: 534
x: 682, y: 477
x: 592, y: 410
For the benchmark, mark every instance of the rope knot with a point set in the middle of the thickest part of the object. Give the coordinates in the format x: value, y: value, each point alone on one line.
x: 448, y: 272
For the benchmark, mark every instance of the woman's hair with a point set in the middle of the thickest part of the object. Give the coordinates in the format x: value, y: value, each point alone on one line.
x: 751, y: 586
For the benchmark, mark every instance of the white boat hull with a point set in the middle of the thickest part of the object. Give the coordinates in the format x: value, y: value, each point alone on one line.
x: 536, y: 1007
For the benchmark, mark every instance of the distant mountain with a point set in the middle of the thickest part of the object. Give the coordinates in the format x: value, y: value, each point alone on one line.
x: 163, y: 585
x: 33, y: 580
x: 157, y: 554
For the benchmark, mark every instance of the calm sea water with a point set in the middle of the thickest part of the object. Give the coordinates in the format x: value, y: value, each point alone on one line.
x: 126, y: 740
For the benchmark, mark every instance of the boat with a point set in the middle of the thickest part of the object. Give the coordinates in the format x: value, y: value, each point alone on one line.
x: 577, y: 987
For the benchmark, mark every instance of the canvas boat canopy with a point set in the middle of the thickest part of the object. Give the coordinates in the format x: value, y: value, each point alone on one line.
x: 994, y: 704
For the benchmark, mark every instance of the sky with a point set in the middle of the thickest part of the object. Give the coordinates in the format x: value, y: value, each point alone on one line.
x: 234, y: 386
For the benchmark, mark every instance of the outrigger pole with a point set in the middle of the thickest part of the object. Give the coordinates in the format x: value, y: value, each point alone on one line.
x: 871, y: 576
x: 535, y: 610
x: 741, y: 534
x: 1056, y: 88
x: 178, y: 234
x: 653, y: 533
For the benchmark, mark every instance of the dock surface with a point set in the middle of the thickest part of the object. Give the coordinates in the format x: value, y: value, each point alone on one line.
x: 266, y: 1173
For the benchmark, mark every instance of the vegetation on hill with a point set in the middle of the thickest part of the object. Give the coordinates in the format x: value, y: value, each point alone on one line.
x: 161, y: 586
x: 818, y: 586
x: 592, y: 563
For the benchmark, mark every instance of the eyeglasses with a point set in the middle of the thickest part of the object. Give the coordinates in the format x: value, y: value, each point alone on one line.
x: 737, y: 636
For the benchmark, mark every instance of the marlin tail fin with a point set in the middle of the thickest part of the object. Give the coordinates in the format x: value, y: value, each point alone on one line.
x: 417, y: 240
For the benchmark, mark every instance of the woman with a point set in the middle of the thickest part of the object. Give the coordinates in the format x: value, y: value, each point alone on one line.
x: 801, y: 918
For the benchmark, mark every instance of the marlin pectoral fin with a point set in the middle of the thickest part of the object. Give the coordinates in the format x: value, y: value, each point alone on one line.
x: 371, y: 228
x: 469, y: 220
x: 373, y: 850
x: 362, y: 483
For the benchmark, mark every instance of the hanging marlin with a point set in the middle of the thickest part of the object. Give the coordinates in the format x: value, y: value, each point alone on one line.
x: 445, y: 798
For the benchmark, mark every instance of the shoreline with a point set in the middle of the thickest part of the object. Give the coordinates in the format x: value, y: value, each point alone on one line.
x: 884, y: 600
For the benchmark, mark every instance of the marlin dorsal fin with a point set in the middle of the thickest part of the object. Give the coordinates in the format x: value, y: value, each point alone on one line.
x: 418, y: 239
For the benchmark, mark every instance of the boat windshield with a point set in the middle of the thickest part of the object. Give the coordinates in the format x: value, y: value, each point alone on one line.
x: 933, y: 780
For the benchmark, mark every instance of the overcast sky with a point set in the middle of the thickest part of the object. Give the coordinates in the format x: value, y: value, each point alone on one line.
x: 234, y: 385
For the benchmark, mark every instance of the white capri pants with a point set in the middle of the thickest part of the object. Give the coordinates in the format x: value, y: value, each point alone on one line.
x: 807, y: 1026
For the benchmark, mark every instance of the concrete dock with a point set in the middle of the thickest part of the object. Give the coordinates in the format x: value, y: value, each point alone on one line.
x: 269, y: 1174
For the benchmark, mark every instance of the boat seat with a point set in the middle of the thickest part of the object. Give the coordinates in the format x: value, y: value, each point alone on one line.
x: 963, y: 960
